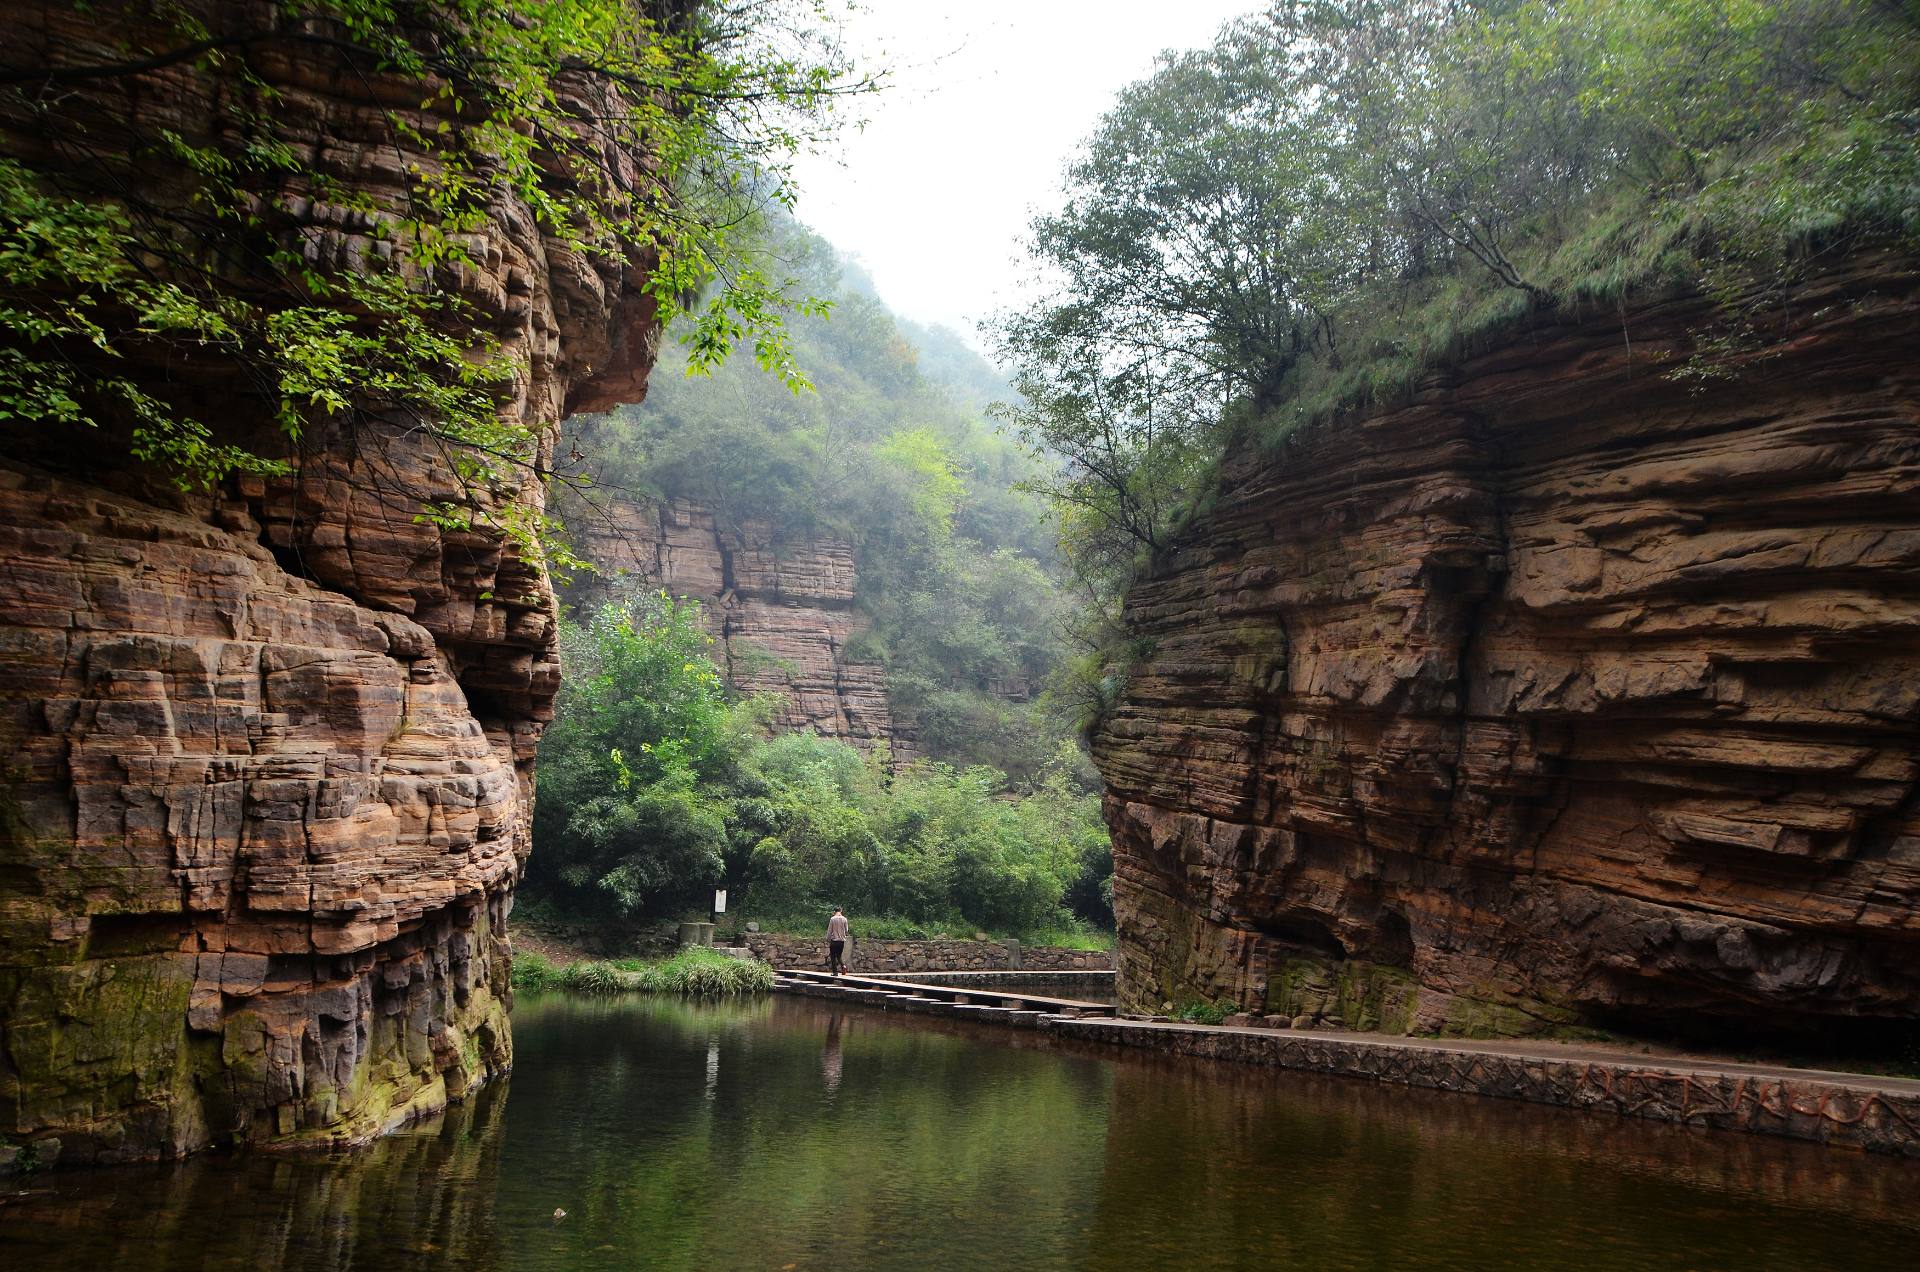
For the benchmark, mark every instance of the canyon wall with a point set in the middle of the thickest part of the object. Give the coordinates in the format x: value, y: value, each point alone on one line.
x: 780, y: 607
x: 1572, y: 692
x: 269, y: 753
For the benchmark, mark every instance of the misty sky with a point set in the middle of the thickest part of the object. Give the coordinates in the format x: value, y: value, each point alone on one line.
x: 987, y: 100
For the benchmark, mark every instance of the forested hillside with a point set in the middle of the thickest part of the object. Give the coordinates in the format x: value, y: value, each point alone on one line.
x: 959, y: 600
x: 889, y: 448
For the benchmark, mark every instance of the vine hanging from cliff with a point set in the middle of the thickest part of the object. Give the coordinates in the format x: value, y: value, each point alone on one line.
x: 145, y: 251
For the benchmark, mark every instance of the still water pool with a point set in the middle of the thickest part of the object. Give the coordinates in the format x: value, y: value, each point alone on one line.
x: 791, y: 1135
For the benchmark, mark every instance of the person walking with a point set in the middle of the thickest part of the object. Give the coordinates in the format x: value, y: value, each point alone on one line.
x: 836, y: 942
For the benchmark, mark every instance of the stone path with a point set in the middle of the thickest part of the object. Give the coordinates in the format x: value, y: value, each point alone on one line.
x: 1011, y: 1007
x: 1842, y: 1109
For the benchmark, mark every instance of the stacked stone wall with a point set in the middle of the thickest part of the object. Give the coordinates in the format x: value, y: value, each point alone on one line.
x: 927, y: 956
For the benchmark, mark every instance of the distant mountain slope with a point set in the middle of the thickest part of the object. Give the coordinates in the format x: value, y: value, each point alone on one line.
x: 889, y: 460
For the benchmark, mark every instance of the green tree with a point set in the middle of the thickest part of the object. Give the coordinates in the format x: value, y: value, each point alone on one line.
x: 803, y: 838
x: 1194, y: 252
x: 931, y: 477
x: 632, y: 811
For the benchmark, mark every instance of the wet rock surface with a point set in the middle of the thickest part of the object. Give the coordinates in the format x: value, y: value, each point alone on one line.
x: 1570, y: 692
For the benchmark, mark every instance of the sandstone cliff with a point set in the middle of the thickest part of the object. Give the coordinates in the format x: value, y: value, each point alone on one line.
x: 269, y: 755
x: 780, y: 607
x: 1571, y: 692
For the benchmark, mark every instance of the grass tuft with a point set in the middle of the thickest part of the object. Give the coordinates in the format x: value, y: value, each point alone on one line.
x: 1198, y: 1013
x: 694, y: 973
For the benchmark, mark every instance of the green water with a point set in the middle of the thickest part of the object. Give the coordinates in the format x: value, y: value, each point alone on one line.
x: 791, y: 1135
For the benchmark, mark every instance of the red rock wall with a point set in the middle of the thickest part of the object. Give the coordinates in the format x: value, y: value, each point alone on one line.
x: 1572, y: 692
x: 781, y: 607
x: 269, y: 755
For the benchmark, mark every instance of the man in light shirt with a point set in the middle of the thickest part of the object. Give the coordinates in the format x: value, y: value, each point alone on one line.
x: 836, y: 942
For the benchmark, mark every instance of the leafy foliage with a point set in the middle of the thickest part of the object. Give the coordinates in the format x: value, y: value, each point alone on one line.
x: 66, y: 277
x: 820, y: 825
x: 958, y: 577
x: 654, y: 789
x: 135, y: 261
x: 1336, y: 195
x: 629, y: 817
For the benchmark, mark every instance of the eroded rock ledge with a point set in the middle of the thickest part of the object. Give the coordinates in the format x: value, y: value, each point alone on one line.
x: 1572, y: 692
x: 268, y: 755
x: 780, y: 607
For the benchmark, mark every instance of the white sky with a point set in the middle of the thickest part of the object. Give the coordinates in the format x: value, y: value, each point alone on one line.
x: 987, y: 100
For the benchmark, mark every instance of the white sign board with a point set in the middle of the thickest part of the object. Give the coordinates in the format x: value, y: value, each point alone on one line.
x: 719, y: 900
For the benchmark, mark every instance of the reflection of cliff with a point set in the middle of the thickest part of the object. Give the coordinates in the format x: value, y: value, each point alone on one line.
x: 1294, y: 1170
x: 781, y: 608
x: 1571, y: 690
x: 422, y: 1199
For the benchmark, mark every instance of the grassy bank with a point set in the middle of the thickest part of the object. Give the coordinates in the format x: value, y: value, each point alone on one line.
x: 695, y: 973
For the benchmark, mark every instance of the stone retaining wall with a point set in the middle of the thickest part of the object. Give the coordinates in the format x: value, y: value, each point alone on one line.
x: 926, y: 956
x: 1827, y: 1109
x: 1095, y: 985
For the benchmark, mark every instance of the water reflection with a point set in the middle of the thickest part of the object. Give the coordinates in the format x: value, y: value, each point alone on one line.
x: 424, y: 1196
x: 831, y: 1059
x: 1317, y: 1172
x: 790, y: 1133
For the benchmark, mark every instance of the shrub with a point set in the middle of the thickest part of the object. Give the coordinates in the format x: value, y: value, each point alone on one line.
x: 595, y: 978
x: 1204, y: 1013
x: 533, y: 971
x: 699, y: 973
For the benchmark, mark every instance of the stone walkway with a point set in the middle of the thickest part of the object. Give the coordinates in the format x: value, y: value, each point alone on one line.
x: 1599, y: 1053
x: 1842, y: 1109
x: 1010, y: 1007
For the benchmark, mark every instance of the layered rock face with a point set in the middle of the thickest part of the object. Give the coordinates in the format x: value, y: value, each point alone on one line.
x: 269, y: 754
x: 1573, y: 692
x: 780, y: 607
